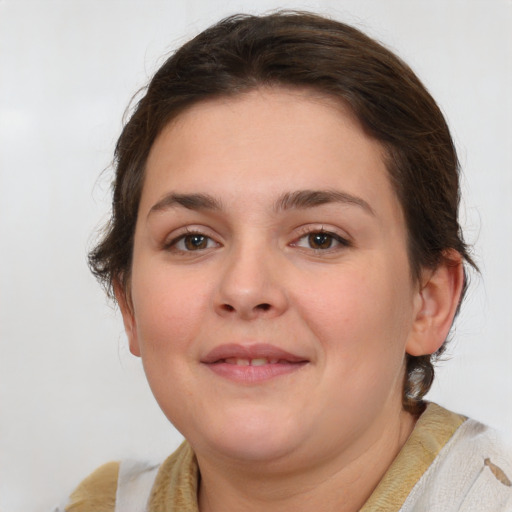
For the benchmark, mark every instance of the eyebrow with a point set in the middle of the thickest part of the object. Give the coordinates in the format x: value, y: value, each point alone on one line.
x: 300, y: 199
x: 303, y: 199
x: 189, y: 201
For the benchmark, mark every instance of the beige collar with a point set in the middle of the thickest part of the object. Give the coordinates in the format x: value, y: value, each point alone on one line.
x: 176, y: 484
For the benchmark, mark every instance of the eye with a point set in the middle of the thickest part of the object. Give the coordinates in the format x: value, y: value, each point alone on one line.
x: 192, y: 242
x: 321, y: 241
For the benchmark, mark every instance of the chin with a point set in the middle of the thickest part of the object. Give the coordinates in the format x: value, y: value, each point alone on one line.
x: 250, y: 438
x: 254, y: 449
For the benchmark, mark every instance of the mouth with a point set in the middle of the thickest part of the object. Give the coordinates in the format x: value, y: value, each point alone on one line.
x: 252, y: 363
x: 258, y: 361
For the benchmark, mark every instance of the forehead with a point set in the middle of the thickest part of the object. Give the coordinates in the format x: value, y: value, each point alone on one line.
x: 268, y: 139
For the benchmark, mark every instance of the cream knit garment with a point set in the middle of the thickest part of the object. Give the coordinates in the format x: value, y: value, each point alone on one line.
x: 448, y: 464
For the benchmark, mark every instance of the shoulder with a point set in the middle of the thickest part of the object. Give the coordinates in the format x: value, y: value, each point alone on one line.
x: 134, y: 485
x: 97, y: 493
x: 176, y: 483
x: 472, y: 472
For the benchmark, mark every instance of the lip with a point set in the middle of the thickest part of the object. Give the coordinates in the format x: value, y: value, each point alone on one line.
x: 255, y: 351
x: 220, y: 361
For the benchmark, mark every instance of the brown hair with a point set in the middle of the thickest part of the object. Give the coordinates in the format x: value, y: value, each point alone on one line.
x: 303, y: 50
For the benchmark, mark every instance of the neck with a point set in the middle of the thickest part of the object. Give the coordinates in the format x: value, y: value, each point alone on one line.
x: 340, y: 483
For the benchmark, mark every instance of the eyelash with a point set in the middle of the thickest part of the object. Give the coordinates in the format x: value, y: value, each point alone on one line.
x: 172, y: 245
x: 334, y: 239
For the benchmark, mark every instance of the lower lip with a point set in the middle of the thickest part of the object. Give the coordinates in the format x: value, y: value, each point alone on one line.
x: 254, y: 374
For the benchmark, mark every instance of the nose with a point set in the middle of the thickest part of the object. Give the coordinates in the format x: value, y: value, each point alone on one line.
x: 251, y: 285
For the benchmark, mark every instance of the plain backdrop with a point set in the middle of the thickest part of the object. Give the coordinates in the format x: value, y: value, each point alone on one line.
x: 71, y: 395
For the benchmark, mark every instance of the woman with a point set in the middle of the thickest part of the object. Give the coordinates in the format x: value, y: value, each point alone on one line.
x: 286, y: 253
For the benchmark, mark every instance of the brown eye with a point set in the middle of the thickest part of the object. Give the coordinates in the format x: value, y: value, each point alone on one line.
x: 195, y: 242
x: 192, y: 242
x: 320, y: 240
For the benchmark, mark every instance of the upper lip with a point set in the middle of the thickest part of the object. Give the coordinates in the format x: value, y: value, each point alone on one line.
x: 255, y: 351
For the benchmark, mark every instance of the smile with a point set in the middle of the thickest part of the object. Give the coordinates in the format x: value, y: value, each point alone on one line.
x: 252, y: 364
x: 260, y: 361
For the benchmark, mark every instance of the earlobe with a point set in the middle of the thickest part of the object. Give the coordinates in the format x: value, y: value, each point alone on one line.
x: 437, y: 302
x: 122, y: 295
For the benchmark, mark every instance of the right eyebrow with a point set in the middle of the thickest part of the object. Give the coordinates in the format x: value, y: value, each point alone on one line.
x: 189, y: 201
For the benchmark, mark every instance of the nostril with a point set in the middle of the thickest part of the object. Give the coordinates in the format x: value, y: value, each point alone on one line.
x: 263, y: 307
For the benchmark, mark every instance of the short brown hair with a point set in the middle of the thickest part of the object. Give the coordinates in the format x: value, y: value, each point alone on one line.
x: 303, y: 50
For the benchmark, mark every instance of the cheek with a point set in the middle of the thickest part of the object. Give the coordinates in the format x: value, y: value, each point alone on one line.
x: 170, y: 316
x: 169, y: 311
x: 360, y: 313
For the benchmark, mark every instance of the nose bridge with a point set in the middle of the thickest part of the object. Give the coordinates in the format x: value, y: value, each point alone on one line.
x: 250, y: 285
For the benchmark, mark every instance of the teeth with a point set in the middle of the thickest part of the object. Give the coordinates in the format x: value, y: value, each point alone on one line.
x: 259, y: 361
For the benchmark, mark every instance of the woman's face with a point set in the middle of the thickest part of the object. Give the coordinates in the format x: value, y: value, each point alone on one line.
x: 271, y: 295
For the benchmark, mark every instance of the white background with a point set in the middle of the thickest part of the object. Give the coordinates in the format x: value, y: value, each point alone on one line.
x: 71, y: 395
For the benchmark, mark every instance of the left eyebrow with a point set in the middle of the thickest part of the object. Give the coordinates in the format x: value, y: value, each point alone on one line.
x: 303, y: 199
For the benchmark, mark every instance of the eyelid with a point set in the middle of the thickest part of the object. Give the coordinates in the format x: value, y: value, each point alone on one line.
x: 343, y: 241
x: 176, y: 236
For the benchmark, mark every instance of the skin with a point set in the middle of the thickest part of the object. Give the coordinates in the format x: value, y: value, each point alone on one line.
x: 320, y: 436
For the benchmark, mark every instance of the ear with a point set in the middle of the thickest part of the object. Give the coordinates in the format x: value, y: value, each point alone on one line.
x: 437, y: 301
x: 123, y: 297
